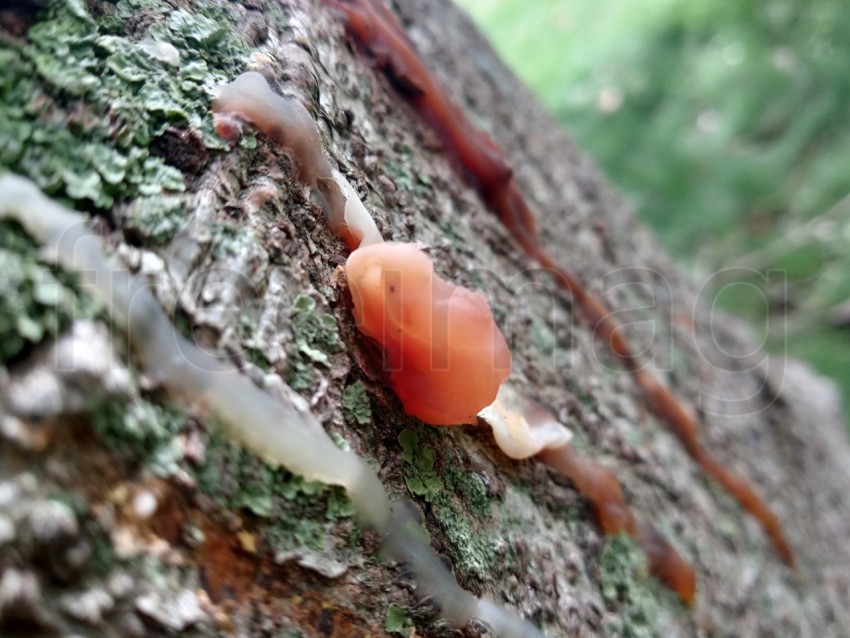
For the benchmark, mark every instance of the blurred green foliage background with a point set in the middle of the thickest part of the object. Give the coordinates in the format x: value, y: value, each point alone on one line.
x: 727, y: 124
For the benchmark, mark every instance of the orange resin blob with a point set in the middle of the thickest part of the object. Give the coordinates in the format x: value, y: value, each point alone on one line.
x: 446, y: 355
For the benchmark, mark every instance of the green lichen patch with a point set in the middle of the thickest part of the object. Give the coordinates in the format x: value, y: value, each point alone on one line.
x: 231, y: 240
x: 157, y: 218
x: 542, y: 337
x: 449, y: 233
x: 475, y: 547
x: 291, y: 511
x: 627, y: 587
x: 80, y: 105
x: 316, y: 338
x: 419, y: 460
x: 36, y: 299
x: 102, y: 560
x: 470, y: 487
x: 397, y: 620
x: 451, y: 495
x: 146, y: 429
x: 355, y: 404
x: 405, y: 180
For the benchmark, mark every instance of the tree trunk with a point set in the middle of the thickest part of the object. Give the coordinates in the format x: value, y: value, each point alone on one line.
x: 125, y: 512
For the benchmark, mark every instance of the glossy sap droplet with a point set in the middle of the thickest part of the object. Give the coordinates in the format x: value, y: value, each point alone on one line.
x: 446, y: 355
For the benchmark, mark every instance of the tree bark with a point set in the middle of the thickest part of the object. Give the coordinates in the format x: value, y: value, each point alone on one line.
x: 124, y: 511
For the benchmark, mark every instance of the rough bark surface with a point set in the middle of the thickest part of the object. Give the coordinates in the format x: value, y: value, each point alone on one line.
x: 165, y: 529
